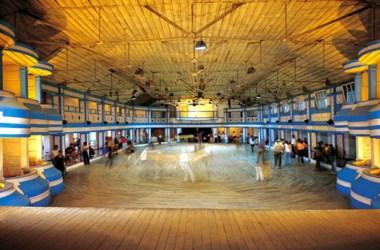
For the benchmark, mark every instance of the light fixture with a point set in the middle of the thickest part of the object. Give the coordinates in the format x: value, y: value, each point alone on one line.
x: 200, y: 45
x: 251, y: 70
x: 258, y: 97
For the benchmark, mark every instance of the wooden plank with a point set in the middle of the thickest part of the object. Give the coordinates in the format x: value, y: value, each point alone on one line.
x: 93, y: 228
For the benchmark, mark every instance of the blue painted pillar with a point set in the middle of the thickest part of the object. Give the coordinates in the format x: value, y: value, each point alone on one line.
x: 85, y: 108
x: 372, y: 82
x: 291, y: 109
x: 103, y: 115
x: 358, y: 87
x: 1, y: 70
x: 60, y: 101
x: 37, y: 80
x: 24, y: 82
x: 115, y: 112
x: 308, y: 116
x: 333, y: 104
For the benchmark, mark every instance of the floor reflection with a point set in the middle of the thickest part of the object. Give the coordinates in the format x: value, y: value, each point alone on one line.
x: 185, y: 176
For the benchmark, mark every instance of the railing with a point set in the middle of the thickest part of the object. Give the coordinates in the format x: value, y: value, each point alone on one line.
x: 198, y: 115
x: 235, y: 119
x: 73, y: 109
x: 93, y: 111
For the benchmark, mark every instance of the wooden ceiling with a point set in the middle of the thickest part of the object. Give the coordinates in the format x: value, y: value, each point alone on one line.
x: 291, y: 44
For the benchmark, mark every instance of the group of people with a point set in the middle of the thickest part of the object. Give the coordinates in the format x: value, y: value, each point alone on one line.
x: 296, y: 148
x: 324, y: 152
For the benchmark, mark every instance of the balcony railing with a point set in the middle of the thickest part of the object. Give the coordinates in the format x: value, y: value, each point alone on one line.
x: 197, y: 115
x: 73, y: 109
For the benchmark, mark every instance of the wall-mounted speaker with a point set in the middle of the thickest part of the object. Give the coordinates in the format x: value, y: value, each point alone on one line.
x: 105, y: 122
x: 64, y: 122
x: 306, y: 121
x: 330, y: 122
x: 117, y: 122
x: 290, y: 121
x: 88, y: 122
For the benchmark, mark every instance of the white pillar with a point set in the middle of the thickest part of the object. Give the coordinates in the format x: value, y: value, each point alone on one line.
x: 179, y: 130
x: 244, y: 136
x: 149, y: 135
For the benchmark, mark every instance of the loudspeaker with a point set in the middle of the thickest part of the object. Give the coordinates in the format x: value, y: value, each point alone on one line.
x: 88, y: 122
x: 277, y: 121
x: 117, y: 122
x: 126, y: 122
x: 64, y: 122
x: 105, y: 122
x: 306, y: 121
x: 290, y: 121
x: 330, y: 122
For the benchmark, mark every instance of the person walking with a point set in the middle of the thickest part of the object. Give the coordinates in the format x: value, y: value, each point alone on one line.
x: 252, y: 142
x: 59, y: 163
x: 318, y: 156
x: 259, y: 172
x: 300, y: 151
x: 288, y: 153
x: 260, y: 152
x: 278, y: 148
x: 85, y: 154
x: 110, y: 147
x: 332, y: 157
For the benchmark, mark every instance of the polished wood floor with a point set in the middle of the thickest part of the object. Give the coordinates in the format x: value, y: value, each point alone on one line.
x: 224, y: 178
x: 107, y: 228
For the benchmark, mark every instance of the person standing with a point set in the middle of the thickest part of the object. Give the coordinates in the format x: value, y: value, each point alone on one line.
x: 278, y: 148
x: 332, y: 157
x: 110, y: 147
x: 293, y: 143
x: 318, y: 156
x: 85, y: 154
x: 260, y: 152
x: 300, y: 150
x: 288, y: 153
x: 252, y: 142
x: 59, y: 163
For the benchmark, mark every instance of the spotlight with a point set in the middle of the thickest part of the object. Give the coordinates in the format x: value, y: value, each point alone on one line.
x: 200, y: 45
x: 258, y: 97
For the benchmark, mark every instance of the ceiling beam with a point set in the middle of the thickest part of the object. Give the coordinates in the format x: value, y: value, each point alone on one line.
x: 155, y: 12
x: 234, y: 7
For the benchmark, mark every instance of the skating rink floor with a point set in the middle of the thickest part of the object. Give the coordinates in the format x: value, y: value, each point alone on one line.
x: 217, y: 177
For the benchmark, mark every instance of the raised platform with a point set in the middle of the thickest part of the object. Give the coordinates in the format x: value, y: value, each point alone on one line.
x: 100, y: 228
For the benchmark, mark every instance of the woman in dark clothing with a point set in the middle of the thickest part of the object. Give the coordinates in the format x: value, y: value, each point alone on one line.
x: 59, y: 163
x: 86, y: 157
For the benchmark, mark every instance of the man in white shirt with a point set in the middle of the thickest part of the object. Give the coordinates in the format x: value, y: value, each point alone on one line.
x: 278, y: 148
x: 252, y: 142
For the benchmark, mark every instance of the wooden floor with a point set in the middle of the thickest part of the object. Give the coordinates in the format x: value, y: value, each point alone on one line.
x: 224, y: 178
x: 107, y: 228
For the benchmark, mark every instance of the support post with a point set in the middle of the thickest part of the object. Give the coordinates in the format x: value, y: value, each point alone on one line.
x: 358, y: 87
x: 24, y: 82
x: 372, y: 82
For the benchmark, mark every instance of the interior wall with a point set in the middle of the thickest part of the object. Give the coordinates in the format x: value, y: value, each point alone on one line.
x: 364, y: 86
x: 363, y: 147
x: 11, y: 78
x: 32, y: 93
x: 35, y: 147
x: 14, y: 156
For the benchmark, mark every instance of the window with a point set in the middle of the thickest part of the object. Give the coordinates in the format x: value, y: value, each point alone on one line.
x: 299, y: 103
x: 321, y: 99
x: 348, y: 93
x: 285, y: 107
x: 274, y: 107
